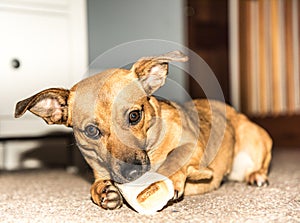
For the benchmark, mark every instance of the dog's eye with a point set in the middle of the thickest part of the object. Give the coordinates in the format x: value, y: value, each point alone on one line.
x: 135, y: 117
x: 92, y: 132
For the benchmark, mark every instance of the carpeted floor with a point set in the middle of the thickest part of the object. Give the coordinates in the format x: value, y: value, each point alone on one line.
x: 57, y: 196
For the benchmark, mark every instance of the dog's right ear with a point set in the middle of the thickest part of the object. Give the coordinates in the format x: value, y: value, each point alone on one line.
x: 152, y: 71
x: 50, y: 104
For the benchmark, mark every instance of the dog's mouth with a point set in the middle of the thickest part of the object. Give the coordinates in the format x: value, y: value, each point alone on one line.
x: 128, y: 172
x: 120, y: 171
x: 135, y: 174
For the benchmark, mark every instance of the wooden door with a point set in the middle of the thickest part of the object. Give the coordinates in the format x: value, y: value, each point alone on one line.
x: 269, y: 66
x: 208, y: 37
x: 267, y: 59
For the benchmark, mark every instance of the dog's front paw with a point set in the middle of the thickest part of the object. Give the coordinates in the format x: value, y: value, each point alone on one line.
x: 178, y: 180
x: 110, y: 198
x: 106, y: 195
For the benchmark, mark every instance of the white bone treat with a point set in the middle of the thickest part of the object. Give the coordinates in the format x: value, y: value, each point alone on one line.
x: 149, y: 193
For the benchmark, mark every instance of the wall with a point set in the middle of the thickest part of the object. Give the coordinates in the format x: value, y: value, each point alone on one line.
x: 116, y: 22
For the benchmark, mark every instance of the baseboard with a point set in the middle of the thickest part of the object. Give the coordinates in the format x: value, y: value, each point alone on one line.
x: 285, y: 129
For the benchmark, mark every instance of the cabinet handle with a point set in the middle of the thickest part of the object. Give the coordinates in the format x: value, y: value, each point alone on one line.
x: 15, y: 63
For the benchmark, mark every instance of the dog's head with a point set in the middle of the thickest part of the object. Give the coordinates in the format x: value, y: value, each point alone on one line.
x: 113, y: 115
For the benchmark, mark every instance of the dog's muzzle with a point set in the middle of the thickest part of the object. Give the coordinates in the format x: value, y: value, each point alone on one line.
x: 134, y: 169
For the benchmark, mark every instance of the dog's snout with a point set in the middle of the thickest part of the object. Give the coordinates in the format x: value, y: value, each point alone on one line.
x: 132, y: 174
x: 134, y: 170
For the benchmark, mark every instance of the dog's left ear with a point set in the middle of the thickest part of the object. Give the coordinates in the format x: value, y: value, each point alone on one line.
x: 51, y: 105
x: 152, y: 71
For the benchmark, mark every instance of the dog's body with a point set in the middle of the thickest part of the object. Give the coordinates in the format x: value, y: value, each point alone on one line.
x: 123, y: 131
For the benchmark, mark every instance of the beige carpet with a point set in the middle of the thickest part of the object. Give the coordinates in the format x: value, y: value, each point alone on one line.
x: 57, y: 196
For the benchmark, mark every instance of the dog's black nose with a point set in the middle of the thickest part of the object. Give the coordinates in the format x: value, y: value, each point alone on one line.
x: 132, y: 174
x: 133, y: 171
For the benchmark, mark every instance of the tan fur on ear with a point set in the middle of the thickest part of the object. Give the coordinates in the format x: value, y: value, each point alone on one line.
x: 50, y: 104
x: 152, y: 71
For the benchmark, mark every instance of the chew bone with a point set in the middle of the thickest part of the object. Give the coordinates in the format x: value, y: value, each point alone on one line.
x: 149, y: 193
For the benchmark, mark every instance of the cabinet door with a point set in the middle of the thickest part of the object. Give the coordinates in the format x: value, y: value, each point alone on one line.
x: 39, y: 43
x: 39, y: 48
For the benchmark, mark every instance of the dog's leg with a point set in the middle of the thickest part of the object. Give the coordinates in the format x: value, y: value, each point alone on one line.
x: 259, y: 177
x: 252, y: 154
x: 253, y: 170
x: 178, y: 179
x: 175, y: 168
x: 106, y: 195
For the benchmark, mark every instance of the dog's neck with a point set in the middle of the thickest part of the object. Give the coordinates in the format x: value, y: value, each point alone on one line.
x: 167, y: 131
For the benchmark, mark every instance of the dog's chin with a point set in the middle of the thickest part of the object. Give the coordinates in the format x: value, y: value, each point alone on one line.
x: 118, y: 178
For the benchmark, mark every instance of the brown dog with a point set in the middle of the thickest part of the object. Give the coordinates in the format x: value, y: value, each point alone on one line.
x: 123, y: 131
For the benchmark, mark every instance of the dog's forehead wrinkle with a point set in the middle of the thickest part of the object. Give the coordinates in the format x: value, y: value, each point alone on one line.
x: 124, y: 90
x: 98, y: 83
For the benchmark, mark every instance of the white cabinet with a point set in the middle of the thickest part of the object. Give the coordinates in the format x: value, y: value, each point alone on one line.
x: 43, y: 43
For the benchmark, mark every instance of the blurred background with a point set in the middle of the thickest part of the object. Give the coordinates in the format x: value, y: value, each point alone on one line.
x: 252, y: 46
